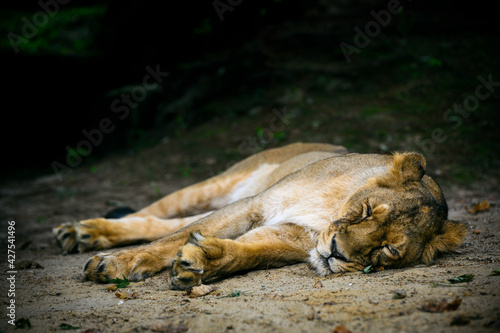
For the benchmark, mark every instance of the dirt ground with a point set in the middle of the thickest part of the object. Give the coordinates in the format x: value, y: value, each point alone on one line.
x: 290, y: 299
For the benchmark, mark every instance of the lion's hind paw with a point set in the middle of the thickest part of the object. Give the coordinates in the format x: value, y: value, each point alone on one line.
x: 66, y: 237
x: 82, y: 236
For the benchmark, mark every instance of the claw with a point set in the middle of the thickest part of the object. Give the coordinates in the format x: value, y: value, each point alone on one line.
x: 135, y: 265
x: 82, y: 236
x: 65, y: 237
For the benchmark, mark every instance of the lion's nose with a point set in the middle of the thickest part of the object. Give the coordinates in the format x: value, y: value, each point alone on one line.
x: 333, y: 245
x: 334, y: 253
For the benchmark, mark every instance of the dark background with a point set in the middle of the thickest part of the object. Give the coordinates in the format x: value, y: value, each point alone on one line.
x: 65, y: 79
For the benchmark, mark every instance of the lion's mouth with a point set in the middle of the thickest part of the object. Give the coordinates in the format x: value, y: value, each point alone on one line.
x: 329, y: 260
x: 335, y: 262
x: 330, y: 264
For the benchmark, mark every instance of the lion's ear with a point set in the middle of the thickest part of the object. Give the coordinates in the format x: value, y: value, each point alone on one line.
x: 406, y: 168
x: 411, y: 166
x: 451, y: 235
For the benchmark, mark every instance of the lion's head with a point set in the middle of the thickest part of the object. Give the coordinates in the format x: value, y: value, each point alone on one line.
x: 395, y: 219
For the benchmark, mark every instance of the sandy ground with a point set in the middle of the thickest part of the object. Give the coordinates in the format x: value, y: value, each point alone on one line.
x: 290, y: 299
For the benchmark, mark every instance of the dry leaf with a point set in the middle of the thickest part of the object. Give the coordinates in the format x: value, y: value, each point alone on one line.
x: 125, y: 295
x: 454, y: 305
x: 442, y: 306
x: 480, y: 207
x: 341, y: 329
x: 201, y: 290
x: 112, y: 287
x: 318, y: 284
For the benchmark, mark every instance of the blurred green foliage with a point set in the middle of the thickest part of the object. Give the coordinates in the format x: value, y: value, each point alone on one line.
x: 205, y: 27
x: 68, y: 31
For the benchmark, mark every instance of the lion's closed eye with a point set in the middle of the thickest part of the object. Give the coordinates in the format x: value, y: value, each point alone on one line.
x: 367, y: 211
x: 186, y: 263
x: 391, y: 251
x: 384, y: 255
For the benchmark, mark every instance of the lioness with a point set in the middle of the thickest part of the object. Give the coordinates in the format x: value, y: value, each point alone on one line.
x: 303, y: 202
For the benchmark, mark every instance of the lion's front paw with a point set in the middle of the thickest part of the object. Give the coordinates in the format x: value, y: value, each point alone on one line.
x: 199, y: 259
x: 134, y: 264
x: 83, y: 236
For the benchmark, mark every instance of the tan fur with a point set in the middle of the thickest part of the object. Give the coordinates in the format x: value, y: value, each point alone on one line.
x: 302, y: 202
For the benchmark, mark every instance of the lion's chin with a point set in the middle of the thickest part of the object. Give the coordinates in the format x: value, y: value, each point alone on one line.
x: 321, y: 265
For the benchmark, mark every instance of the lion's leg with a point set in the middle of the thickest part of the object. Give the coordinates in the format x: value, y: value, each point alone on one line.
x: 100, y: 233
x: 208, y: 195
x: 231, y: 221
x: 198, y: 200
x: 154, y: 221
x: 204, y: 258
